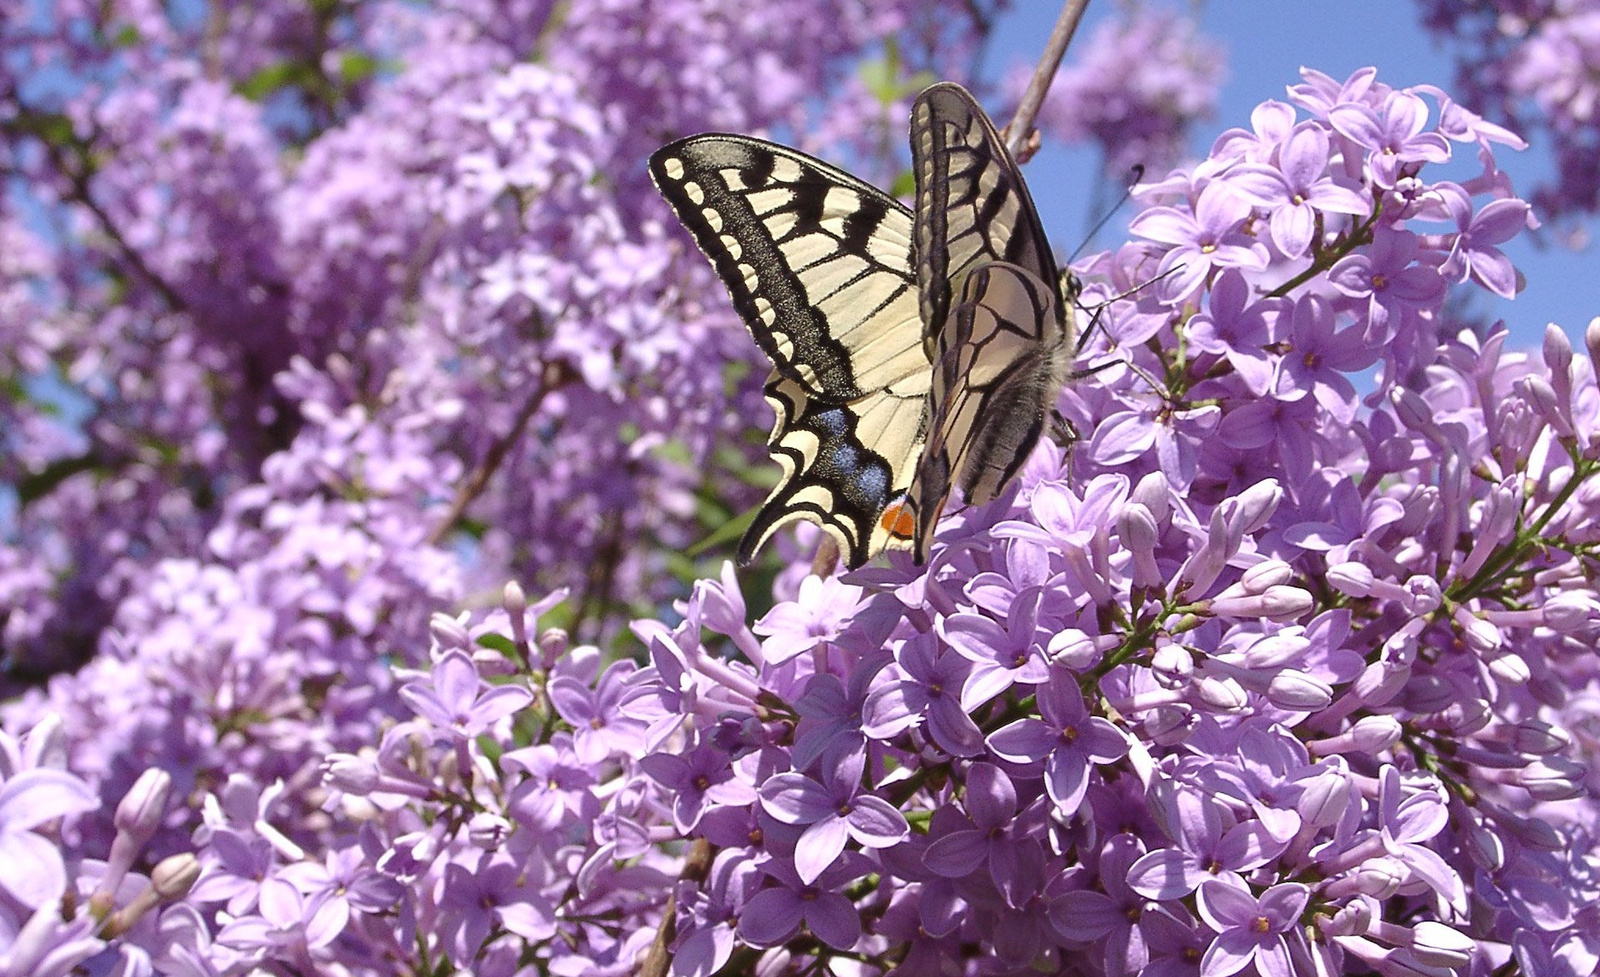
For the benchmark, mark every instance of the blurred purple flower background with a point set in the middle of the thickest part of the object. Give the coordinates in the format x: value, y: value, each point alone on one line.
x: 321, y: 322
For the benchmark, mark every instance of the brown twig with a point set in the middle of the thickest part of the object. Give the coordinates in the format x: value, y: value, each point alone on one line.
x: 1021, y: 126
x: 555, y: 375
x: 695, y: 869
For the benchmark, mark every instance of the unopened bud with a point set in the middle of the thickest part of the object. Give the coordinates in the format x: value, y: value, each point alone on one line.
x: 1569, y: 612
x: 1351, y: 919
x: 1536, y: 737
x: 1479, y: 635
x: 449, y: 632
x: 1510, y: 669
x: 1323, y: 799
x: 142, y: 807
x: 1298, y: 692
x: 1486, y: 848
x: 1549, y: 406
x: 1256, y: 505
x: 1267, y: 573
x: 1073, y: 649
x: 1279, y: 603
x: 1553, y: 779
x: 1441, y: 946
x: 1354, y: 579
x: 1374, y: 734
x: 1154, y: 493
x: 1222, y: 694
x: 1172, y: 665
x: 1381, y: 877
x: 1277, y: 650
x: 174, y: 876
x: 351, y: 773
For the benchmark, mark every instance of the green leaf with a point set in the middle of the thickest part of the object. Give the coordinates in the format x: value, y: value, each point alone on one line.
x: 272, y: 78
x: 44, y: 481
x: 500, y: 643
x: 357, y: 66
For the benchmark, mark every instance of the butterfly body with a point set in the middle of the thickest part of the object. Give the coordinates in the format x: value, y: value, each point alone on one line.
x: 913, y: 351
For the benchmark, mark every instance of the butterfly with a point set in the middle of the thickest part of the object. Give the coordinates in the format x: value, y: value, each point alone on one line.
x: 913, y: 351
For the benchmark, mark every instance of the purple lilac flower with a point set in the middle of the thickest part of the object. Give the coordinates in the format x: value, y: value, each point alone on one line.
x: 1297, y: 189
x: 835, y: 810
x: 1250, y: 929
x: 1066, y: 740
x: 776, y: 913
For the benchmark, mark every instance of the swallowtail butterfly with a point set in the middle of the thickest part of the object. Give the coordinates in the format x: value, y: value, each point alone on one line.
x: 913, y: 351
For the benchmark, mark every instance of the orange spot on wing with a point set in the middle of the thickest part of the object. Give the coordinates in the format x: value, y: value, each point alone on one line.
x: 899, y: 521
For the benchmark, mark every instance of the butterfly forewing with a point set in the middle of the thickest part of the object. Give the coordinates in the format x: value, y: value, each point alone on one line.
x: 972, y: 204
x: 819, y: 266
x: 818, y: 263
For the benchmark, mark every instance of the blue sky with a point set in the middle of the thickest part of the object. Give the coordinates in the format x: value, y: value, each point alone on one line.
x: 1266, y: 43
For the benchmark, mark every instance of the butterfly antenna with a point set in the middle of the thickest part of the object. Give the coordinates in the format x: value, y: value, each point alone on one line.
x: 1134, y: 176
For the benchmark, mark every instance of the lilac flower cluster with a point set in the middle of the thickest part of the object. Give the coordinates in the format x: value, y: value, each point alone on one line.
x: 1135, y: 88
x: 1261, y: 676
x: 428, y: 205
x: 1533, y: 65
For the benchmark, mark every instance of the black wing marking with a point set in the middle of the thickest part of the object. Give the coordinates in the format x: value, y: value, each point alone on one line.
x: 818, y: 262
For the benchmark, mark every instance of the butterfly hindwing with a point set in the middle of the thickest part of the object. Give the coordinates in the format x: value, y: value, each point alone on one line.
x: 818, y: 263
x: 843, y: 465
x: 993, y: 383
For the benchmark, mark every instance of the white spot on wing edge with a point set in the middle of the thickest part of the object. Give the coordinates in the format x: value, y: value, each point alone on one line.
x: 786, y: 169
x: 694, y: 193
x: 673, y: 167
